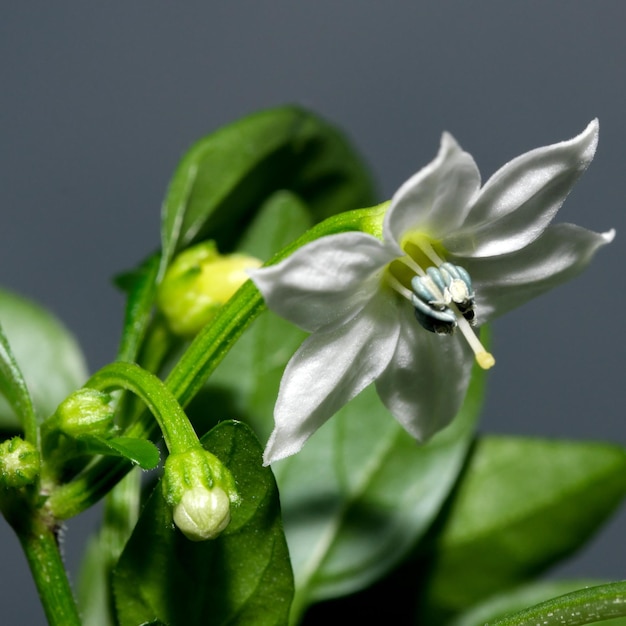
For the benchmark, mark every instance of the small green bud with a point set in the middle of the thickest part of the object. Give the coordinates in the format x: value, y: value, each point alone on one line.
x: 19, y: 463
x: 198, y: 282
x: 85, y: 412
x: 200, y: 490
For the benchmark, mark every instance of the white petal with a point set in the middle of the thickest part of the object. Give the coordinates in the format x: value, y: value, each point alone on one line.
x: 503, y: 283
x: 328, y: 370
x: 519, y: 201
x: 435, y: 199
x: 426, y: 380
x: 326, y: 282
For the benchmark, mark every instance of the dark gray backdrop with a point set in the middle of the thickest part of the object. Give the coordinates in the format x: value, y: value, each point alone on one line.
x: 99, y: 101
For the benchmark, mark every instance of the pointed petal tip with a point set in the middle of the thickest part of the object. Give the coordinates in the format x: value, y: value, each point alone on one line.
x: 448, y: 141
x: 609, y: 235
x: 274, y: 452
x: 589, y: 136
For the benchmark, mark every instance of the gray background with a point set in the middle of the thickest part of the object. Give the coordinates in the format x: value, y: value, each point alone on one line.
x: 99, y: 101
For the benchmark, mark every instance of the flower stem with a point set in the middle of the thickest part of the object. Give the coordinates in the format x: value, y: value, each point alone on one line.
x: 177, y: 431
x: 42, y: 552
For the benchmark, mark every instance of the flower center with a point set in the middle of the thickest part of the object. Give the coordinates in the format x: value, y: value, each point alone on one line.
x: 440, y: 292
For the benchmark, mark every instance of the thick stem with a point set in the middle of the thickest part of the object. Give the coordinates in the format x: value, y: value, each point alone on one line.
x: 42, y: 552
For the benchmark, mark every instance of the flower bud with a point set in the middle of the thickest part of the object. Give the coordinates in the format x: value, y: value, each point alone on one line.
x: 198, y: 282
x: 199, y: 489
x: 19, y: 463
x: 85, y: 412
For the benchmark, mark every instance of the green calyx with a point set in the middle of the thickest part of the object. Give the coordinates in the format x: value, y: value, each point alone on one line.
x: 200, y: 491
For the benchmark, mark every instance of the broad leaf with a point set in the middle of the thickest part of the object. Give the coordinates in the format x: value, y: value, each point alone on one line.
x: 138, y: 451
x: 225, y: 177
x: 47, y: 355
x: 362, y: 492
x: 243, y: 577
x: 521, y: 505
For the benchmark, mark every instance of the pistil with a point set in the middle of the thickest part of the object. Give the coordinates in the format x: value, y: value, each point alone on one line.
x: 437, y: 303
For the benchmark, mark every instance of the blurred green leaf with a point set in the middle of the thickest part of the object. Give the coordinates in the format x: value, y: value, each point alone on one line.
x: 225, y: 177
x: 47, y: 355
x: 243, y: 577
x: 138, y: 451
x: 93, y: 599
x: 521, y: 505
x: 601, y: 604
x: 523, y: 597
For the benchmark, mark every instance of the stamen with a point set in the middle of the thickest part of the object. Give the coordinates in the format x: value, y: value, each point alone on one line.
x: 411, y: 264
x: 429, y: 251
x: 483, y: 358
x: 396, y: 285
x: 442, y: 298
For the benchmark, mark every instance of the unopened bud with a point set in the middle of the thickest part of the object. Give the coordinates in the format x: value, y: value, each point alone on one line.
x: 200, y: 491
x: 198, y: 282
x: 19, y: 463
x: 85, y: 412
x: 202, y: 513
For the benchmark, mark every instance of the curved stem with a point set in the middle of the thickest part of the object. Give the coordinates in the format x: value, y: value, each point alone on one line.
x: 587, y: 606
x: 177, y: 431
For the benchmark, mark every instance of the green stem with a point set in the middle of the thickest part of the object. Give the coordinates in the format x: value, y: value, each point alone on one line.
x: 587, y: 606
x: 42, y: 552
x: 203, y: 355
x: 177, y: 431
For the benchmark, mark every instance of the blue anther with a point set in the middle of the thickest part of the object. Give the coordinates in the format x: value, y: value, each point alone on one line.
x: 436, y: 276
x: 434, y: 294
x: 425, y: 293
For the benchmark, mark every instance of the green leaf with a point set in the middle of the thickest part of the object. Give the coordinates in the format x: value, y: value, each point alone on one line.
x: 243, y: 577
x: 139, y: 451
x: 361, y: 493
x: 13, y: 388
x: 522, y: 505
x: 603, y: 604
x: 520, y: 598
x: 140, y: 285
x: 224, y: 177
x: 48, y: 356
x: 93, y: 599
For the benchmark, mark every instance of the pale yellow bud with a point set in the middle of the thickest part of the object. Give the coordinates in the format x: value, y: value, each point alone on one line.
x: 198, y: 282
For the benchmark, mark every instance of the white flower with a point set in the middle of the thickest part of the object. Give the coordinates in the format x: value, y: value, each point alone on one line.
x: 368, y: 314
